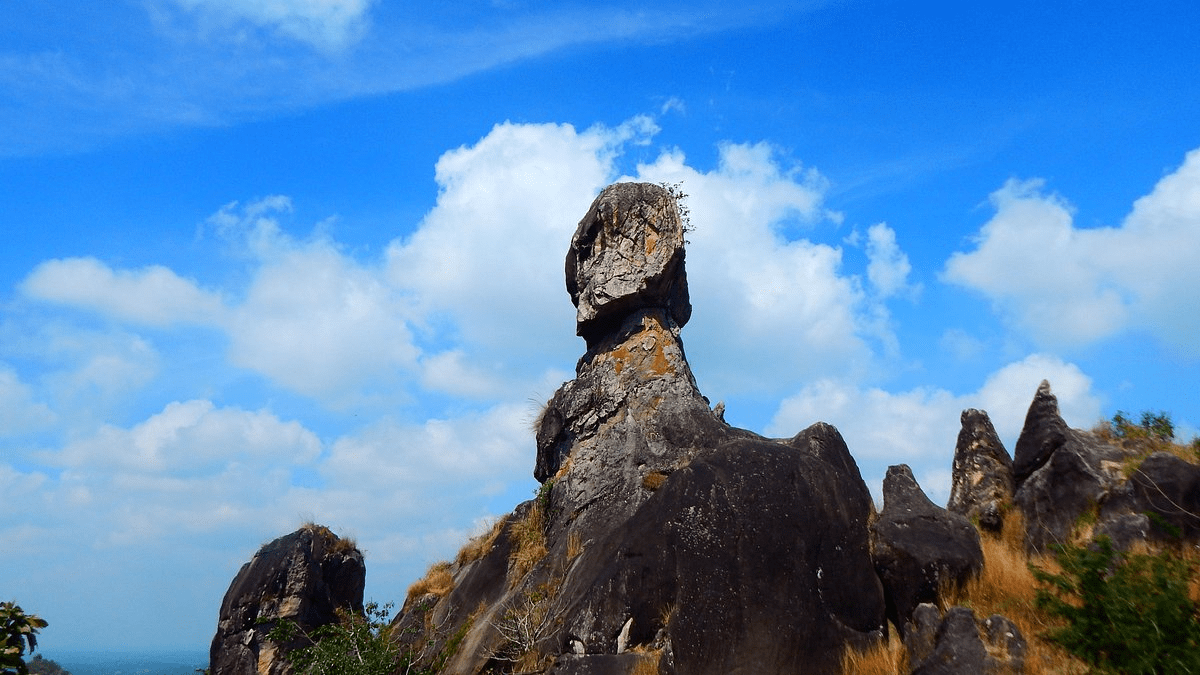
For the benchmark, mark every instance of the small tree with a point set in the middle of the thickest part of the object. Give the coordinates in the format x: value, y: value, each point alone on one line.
x: 359, y: 644
x: 1124, y: 612
x: 18, y: 631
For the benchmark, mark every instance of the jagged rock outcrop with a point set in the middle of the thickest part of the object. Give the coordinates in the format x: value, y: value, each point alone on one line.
x: 662, y: 533
x: 1069, y: 478
x: 982, y: 478
x: 1060, y: 473
x: 306, y: 577
x: 919, y: 546
x: 959, y: 643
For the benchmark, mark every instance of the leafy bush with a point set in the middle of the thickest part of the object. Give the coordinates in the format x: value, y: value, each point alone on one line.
x: 1154, y: 425
x: 358, y: 645
x: 1123, y: 612
x: 18, y: 631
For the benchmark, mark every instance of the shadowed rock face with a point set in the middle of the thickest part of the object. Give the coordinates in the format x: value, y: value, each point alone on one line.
x: 306, y: 577
x: 960, y: 643
x: 1060, y: 473
x: 667, y: 530
x: 1069, y: 473
x: 919, y: 546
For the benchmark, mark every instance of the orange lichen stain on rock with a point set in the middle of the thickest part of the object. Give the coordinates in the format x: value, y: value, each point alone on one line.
x: 644, y: 352
x: 651, y: 241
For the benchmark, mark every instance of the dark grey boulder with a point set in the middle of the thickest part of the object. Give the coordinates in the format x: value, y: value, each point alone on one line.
x: 1043, y: 433
x: 756, y: 551
x: 1160, y: 501
x: 959, y: 644
x: 305, y: 577
x: 982, y: 479
x: 1061, y: 473
x: 919, y: 546
x: 1078, y: 484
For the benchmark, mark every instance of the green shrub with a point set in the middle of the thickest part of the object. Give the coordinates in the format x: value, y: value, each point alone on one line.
x: 1123, y: 612
x: 360, y: 644
x: 1153, y: 425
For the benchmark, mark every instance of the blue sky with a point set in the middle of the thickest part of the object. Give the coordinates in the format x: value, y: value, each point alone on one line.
x: 278, y: 260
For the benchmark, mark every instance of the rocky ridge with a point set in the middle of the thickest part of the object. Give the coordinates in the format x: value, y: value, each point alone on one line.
x: 664, y: 540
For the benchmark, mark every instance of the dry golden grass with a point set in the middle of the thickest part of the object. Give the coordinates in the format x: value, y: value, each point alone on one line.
x: 529, y: 543
x: 1007, y: 587
x: 665, y: 613
x: 647, y: 663
x: 884, y: 658
x: 477, y: 547
x: 539, y: 415
x: 574, y: 546
x: 338, y: 544
x: 437, y: 580
x: 654, y: 480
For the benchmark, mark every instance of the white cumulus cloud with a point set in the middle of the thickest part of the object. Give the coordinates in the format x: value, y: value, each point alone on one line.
x: 153, y: 296
x: 190, y: 436
x: 1065, y: 285
x: 887, y: 266
x: 770, y: 308
x: 19, y: 411
x: 919, y: 427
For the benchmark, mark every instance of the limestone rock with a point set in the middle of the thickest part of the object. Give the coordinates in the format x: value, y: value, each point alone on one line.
x: 665, y: 531
x: 958, y: 643
x: 627, y: 254
x: 1043, y: 433
x: 306, y: 577
x: 982, y: 483
x: 1061, y: 473
x: 918, y: 546
x: 1163, y: 485
x: 757, y: 553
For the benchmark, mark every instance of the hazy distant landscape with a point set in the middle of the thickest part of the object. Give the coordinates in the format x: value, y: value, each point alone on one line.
x: 130, y: 662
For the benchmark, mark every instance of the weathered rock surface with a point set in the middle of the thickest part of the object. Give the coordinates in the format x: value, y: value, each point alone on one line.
x: 627, y: 254
x: 1060, y: 473
x: 1072, y: 476
x: 958, y: 643
x: 982, y: 479
x: 757, y: 552
x: 919, y: 546
x: 306, y: 577
x: 668, y: 534
x: 1163, y: 485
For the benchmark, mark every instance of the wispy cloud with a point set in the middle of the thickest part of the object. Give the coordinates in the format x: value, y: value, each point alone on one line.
x: 175, y: 63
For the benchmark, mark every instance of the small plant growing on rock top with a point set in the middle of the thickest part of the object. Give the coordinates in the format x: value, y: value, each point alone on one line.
x: 1123, y: 612
x: 680, y: 197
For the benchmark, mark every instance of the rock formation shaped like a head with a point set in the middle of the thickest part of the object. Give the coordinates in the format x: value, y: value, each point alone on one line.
x: 627, y: 255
